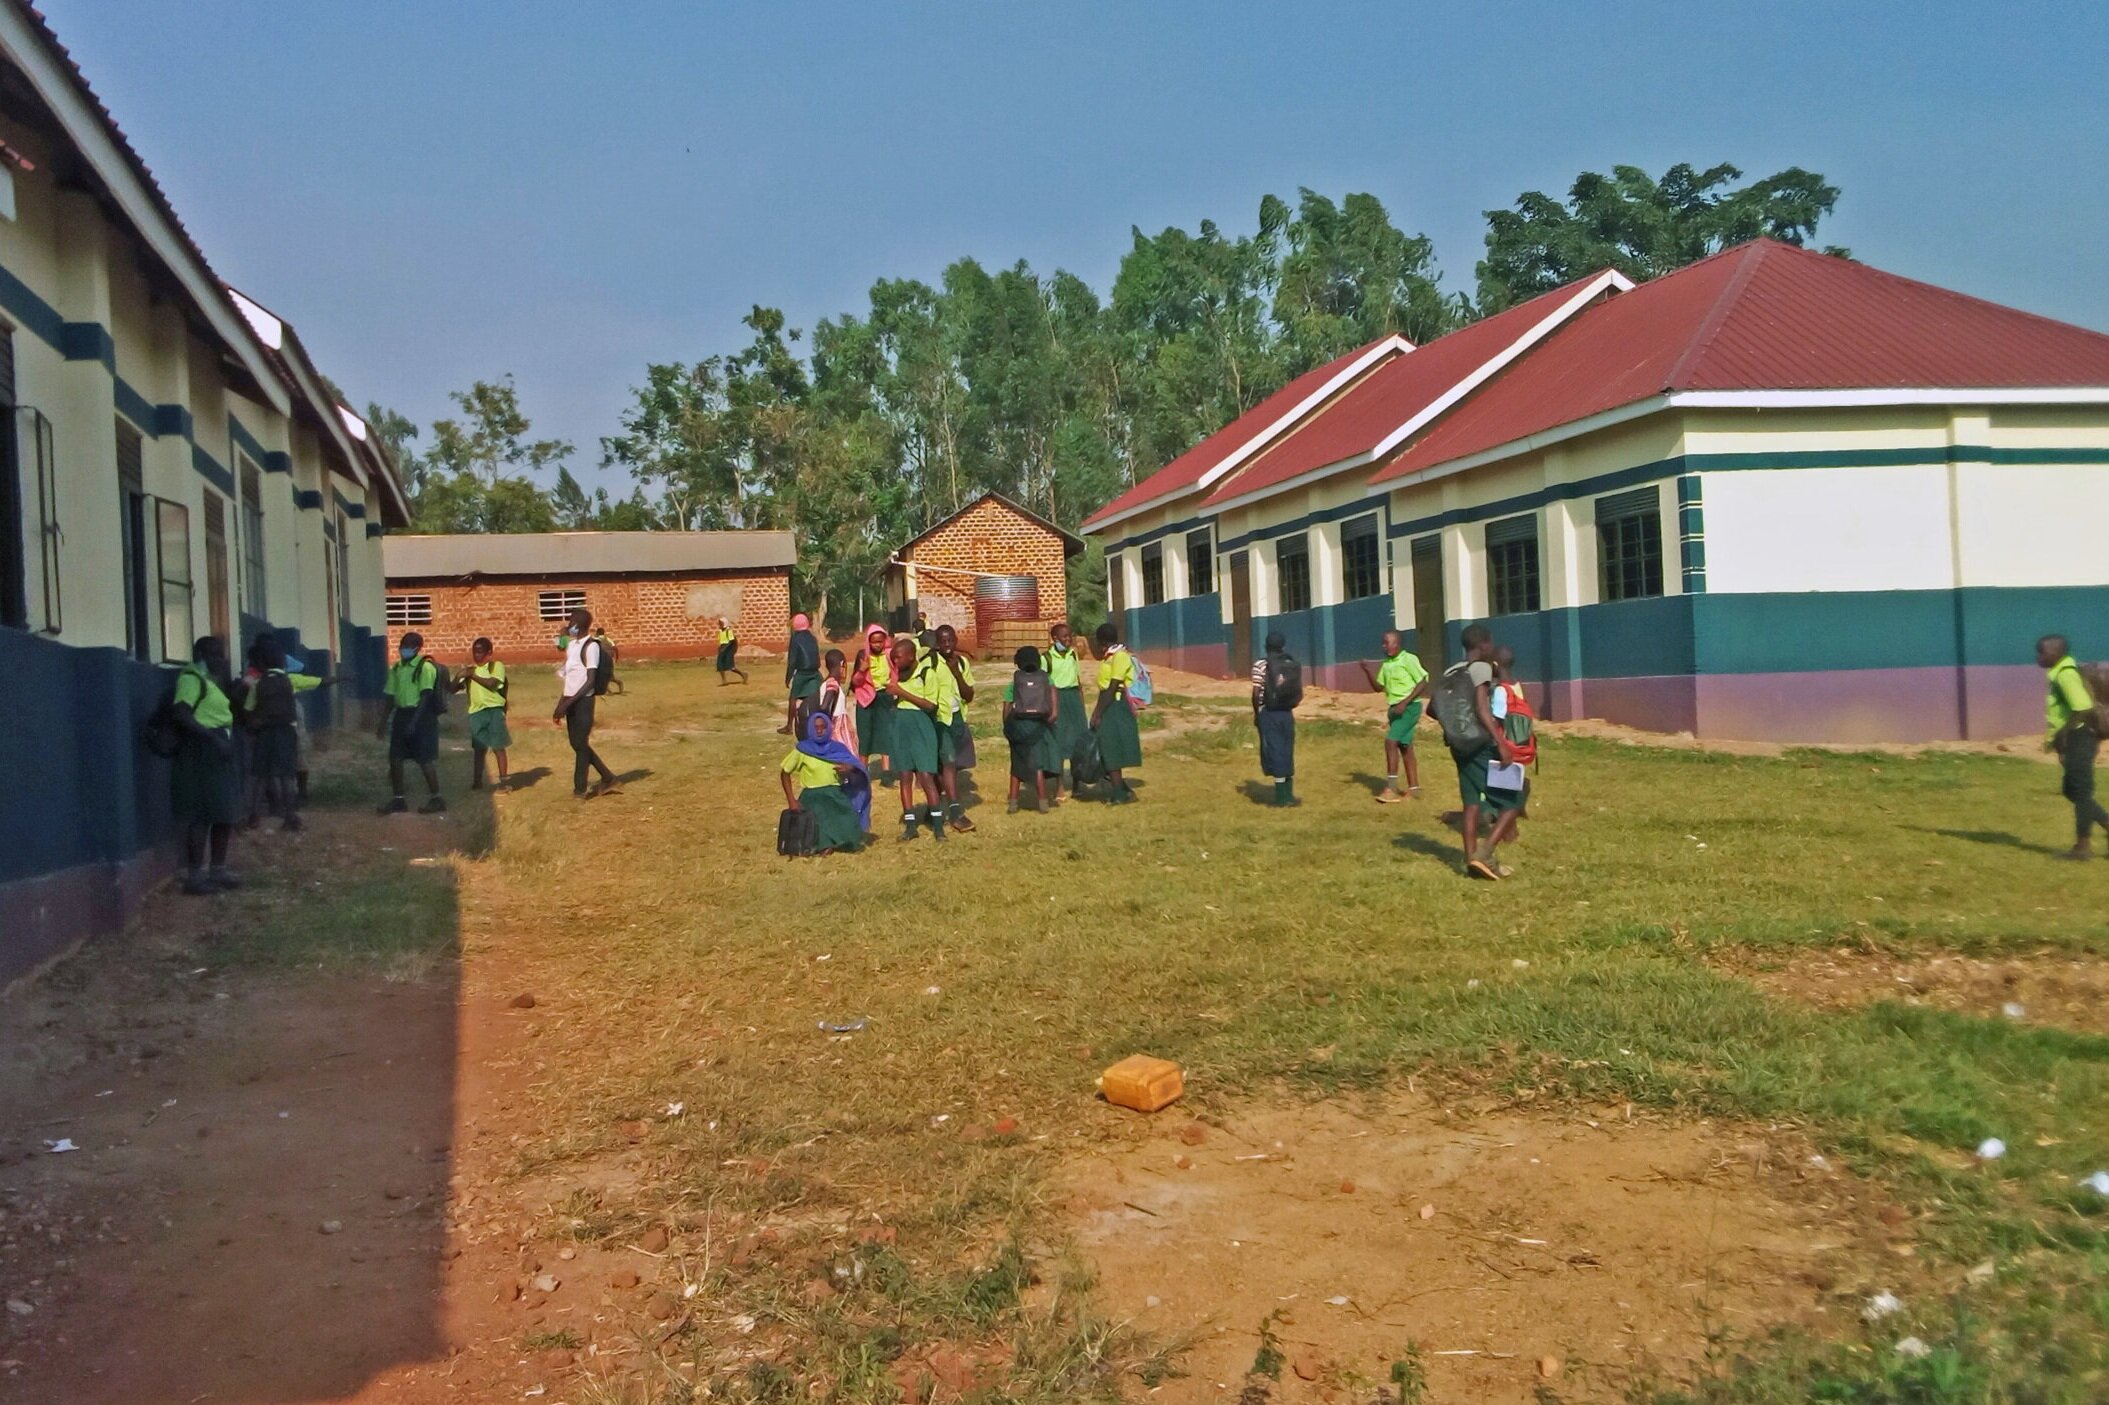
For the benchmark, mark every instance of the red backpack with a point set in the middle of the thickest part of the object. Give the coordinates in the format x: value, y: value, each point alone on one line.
x: 1520, y: 725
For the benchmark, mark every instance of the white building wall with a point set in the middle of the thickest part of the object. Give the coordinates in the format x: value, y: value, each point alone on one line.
x: 1826, y: 529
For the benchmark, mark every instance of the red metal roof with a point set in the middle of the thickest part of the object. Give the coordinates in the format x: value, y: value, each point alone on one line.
x: 1182, y: 473
x: 1388, y: 398
x: 1762, y: 316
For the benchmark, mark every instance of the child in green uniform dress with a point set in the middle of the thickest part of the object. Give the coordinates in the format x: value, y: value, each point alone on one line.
x: 1404, y: 684
x: 815, y: 773
x: 1119, y: 739
x: 489, y: 699
x: 913, y: 683
x: 205, y: 788
x: 728, y: 652
x: 1072, y: 718
x: 1029, y: 727
x: 955, y: 739
x: 868, y: 680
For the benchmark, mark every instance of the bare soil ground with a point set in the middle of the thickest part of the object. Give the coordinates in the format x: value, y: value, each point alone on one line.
x: 1519, y: 1248
x: 2045, y: 988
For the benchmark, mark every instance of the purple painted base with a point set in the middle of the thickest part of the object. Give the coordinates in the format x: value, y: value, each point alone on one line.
x: 1839, y: 706
x: 52, y: 913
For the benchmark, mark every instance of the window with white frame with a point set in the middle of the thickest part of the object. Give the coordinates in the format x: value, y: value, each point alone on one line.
x: 1292, y: 565
x: 558, y: 604
x: 406, y: 610
x: 254, y: 600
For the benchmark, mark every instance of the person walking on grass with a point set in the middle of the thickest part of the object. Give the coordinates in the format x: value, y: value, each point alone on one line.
x: 489, y: 699
x: 801, y: 668
x: 1404, y: 684
x: 1464, y: 707
x: 411, y: 723
x: 1031, y: 713
x: 575, y: 701
x: 913, y: 683
x: 728, y: 652
x: 1277, y: 688
x: 955, y: 738
x: 204, y: 783
x: 1072, y: 718
x: 1119, y: 738
x: 2072, y: 730
x: 827, y: 780
x: 868, y: 679
x: 271, y: 713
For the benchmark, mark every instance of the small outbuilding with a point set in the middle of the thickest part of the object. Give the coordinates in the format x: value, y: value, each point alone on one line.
x: 994, y: 571
x: 658, y: 593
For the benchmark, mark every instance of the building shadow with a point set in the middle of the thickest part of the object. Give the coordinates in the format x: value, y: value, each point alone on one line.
x: 268, y: 1156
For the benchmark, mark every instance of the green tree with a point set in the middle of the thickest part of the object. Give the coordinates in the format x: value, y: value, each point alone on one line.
x: 676, y: 444
x: 475, y: 477
x: 1348, y: 276
x: 1641, y: 226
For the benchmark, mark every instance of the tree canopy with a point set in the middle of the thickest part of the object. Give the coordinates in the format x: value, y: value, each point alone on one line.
x: 895, y: 414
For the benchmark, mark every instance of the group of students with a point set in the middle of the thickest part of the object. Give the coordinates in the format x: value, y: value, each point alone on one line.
x: 1486, y: 720
x: 899, y: 708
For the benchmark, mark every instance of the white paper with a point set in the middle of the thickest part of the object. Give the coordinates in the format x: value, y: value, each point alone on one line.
x: 1507, y: 776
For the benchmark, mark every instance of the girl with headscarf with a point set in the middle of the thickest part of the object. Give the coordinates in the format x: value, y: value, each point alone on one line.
x: 801, y: 668
x: 832, y: 701
x: 826, y: 779
x: 868, y: 680
x: 728, y: 652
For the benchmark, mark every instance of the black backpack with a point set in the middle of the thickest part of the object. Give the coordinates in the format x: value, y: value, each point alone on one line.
x: 162, y: 734
x: 1032, y: 695
x: 1456, y: 704
x: 270, y: 701
x: 1281, y: 688
x: 797, y: 833
x: 603, y: 667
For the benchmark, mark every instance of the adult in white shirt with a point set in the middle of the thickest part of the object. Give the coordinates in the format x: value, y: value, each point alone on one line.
x: 575, y: 704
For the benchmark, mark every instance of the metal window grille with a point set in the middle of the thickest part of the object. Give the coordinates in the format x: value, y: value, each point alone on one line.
x: 1361, y: 559
x: 1629, y: 545
x: 558, y: 604
x: 1200, y: 563
x: 1512, y: 566
x: 254, y: 597
x: 216, y: 600
x: 1292, y: 562
x: 408, y: 610
x: 33, y: 443
x: 1153, y: 574
x: 139, y: 518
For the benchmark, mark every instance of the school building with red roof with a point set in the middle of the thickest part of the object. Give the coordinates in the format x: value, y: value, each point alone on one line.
x: 1775, y: 495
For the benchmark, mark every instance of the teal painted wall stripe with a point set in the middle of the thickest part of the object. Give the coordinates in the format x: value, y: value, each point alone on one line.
x: 307, y: 499
x: 238, y: 433
x: 212, y: 470
x: 346, y: 506
x: 88, y: 341
x: 373, y: 529
x: 1691, y: 533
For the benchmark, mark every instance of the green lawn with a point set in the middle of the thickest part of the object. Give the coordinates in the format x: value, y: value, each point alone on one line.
x: 685, y: 962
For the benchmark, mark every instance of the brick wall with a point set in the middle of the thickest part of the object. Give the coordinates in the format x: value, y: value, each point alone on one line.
x: 990, y: 537
x: 650, y: 617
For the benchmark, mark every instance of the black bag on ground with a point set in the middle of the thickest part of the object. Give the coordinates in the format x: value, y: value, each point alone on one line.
x: 1281, y: 688
x: 1457, y: 710
x: 797, y: 833
x: 1032, y: 695
x: 1086, y: 766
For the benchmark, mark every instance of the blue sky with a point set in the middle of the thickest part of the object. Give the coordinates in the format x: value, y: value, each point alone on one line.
x: 435, y: 192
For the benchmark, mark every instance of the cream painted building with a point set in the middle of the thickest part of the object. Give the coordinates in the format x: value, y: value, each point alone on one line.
x: 171, y: 466
x: 1775, y: 495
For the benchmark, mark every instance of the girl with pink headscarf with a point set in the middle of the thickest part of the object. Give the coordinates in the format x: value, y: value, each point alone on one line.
x: 868, y: 680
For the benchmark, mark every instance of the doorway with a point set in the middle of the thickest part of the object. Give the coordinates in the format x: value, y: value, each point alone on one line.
x: 1429, y: 611
x: 1240, y: 613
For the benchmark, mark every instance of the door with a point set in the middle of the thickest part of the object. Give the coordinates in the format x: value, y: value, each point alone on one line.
x: 1240, y: 613
x: 1429, y: 612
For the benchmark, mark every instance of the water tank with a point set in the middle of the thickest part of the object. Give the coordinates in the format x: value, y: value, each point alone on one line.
x: 999, y: 599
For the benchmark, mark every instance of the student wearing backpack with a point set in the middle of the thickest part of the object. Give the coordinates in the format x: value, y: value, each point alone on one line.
x: 1404, y: 683
x: 825, y: 779
x: 1464, y: 708
x: 579, y: 681
x: 204, y: 782
x: 801, y: 668
x: 270, y: 713
x: 1277, y: 688
x: 2072, y: 730
x: 1072, y: 718
x: 955, y: 736
x: 1119, y: 738
x: 412, y: 723
x: 1031, y: 710
x: 1519, y: 723
x: 489, y: 695
x: 912, y: 680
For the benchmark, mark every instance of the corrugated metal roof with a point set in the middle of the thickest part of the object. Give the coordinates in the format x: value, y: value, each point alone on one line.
x: 1184, y: 472
x: 554, y: 554
x: 1388, y: 398
x: 1762, y: 316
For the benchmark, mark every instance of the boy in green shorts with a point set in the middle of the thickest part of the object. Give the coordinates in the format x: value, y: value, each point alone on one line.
x: 1404, y: 684
x: 411, y: 723
x: 485, y: 683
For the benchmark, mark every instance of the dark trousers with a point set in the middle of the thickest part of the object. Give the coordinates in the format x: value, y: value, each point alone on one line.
x: 1278, y: 744
x: 578, y: 726
x: 2080, y: 748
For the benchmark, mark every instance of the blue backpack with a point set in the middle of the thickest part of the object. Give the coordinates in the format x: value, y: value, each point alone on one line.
x: 1142, y: 689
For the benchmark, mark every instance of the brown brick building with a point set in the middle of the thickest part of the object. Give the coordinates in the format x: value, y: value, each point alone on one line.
x: 658, y: 593
x: 992, y: 570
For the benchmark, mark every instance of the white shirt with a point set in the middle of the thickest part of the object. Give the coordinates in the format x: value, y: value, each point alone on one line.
x: 576, y: 672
